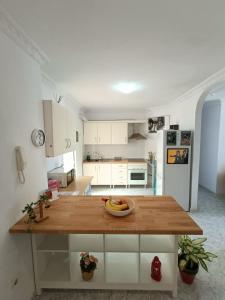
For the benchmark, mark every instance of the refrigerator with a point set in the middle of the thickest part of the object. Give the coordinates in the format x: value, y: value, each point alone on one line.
x: 174, y: 160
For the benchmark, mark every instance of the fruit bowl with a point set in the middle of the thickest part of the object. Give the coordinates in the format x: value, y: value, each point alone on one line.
x: 120, y: 213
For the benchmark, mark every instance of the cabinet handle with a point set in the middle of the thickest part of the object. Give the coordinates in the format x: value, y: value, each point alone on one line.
x: 66, y: 143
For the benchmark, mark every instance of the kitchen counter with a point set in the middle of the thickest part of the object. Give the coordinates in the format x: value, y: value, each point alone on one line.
x: 113, y: 161
x: 79, y: 185
x: 84, y: 225
x: 86, y: 214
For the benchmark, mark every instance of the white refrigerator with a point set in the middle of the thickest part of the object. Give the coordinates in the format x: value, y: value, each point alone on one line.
x: 174, y: 160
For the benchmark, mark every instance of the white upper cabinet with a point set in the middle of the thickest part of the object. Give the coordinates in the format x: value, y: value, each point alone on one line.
x: 119, y: 133
x: 60, y: 131
x: 70, y: 131
x: 90, y: 133
x: 105, y: 133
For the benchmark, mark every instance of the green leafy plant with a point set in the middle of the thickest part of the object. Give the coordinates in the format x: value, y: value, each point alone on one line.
x: 29, y: 210
x: 192, y: 254
x: 44, y: 198
x: 88, y: 263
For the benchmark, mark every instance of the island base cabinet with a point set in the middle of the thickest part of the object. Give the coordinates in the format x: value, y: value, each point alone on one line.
x: 124, y: 261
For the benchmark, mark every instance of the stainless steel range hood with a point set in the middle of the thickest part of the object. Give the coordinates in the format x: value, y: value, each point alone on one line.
x: 135, y: 132
x: 137, y: 136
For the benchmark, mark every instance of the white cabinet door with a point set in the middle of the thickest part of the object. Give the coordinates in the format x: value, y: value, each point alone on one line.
x: 104, y: 133
x: 104, y: 174
x: 55, y: 128
x: 119, y: 133
x: 90, y: 133
x: 70, y: 131
x: 91, y: 169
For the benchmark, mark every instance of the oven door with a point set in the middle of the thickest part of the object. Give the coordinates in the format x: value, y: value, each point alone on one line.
x: 137, y: 176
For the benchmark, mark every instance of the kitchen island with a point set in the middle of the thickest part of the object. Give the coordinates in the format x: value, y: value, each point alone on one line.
x: 124, y: 246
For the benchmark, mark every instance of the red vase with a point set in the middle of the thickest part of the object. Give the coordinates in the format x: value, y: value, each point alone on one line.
x: 156, y: 269
x: 186, y: 277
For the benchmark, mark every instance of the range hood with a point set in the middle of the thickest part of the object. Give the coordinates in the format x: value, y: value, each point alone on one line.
x: 136, y: 132
x: 137, y: 136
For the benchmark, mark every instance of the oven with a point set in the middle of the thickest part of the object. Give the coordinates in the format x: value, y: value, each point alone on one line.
x: 137, y: 174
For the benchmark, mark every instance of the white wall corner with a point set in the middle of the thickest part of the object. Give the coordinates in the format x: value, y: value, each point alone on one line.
x: 9, y: 26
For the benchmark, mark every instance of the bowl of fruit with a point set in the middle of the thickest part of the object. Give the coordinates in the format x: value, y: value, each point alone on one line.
x: 119, y: 207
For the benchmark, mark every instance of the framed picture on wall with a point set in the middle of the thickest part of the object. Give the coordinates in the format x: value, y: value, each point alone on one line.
x: 171, y: 138
x: 185, y: 138
x: 177, y: 156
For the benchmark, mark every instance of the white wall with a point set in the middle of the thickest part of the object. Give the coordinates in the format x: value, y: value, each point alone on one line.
x: 20, y: 113
x: 210, y: 145
x: 221, y: 153
x: 134, y: 149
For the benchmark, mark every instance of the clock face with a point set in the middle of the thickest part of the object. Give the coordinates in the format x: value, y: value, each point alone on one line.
x: 38, y: 137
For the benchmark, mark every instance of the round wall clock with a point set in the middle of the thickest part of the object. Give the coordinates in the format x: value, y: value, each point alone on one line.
x: 38, y: 137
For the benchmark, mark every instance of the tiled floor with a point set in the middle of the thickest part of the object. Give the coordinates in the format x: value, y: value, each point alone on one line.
x: 105, y: 190
x: 207, y: 286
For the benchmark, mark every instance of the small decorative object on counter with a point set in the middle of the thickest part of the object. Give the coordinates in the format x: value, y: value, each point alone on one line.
x: 156, y: 269
x: 53, y: 186
x: 88, y: 157
x: 30, y: 212
x: 45, y: 198
x: 192, y: 254
x: 88, y: 264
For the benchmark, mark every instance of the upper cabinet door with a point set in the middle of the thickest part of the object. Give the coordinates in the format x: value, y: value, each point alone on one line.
x: 90, y: 133
x: 55, y: 128
x: 104, y: 133
x: 70, y: 131
x: 119, y: 133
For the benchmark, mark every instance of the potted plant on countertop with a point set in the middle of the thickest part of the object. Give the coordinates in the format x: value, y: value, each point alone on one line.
x: 30, y: 212
x: 45, y: 199
x: 88, y: 264
x: 191, y: 254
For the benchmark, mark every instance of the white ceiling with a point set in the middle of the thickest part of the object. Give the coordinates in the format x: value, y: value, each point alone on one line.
x: 166, y: 46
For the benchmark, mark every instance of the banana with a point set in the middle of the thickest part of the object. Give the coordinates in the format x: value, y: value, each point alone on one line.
x: 117, y: 207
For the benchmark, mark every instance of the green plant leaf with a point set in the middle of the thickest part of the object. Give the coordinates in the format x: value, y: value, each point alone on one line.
x: 199, y: 241
x: 202, y: 256
x: 194, y: 259
x: 203, y: 264
x: 209, y: 254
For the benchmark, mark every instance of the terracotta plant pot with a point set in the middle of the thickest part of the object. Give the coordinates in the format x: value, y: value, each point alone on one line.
x: 87, y: 275
x: 187, y: 277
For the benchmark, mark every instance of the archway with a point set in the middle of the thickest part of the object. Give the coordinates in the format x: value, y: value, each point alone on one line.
x: 197, y: 143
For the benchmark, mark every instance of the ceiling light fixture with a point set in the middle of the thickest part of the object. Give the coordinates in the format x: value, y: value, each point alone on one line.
x: 127, y: 87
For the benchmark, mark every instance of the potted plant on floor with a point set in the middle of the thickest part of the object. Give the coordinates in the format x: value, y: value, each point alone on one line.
x: 191, y: 254
x: 88, y: 264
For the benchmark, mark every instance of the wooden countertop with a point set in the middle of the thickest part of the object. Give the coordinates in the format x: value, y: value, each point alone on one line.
x: 86, y: 214
x: 113, y: 161
x: 79, y: 184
